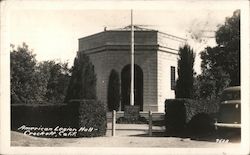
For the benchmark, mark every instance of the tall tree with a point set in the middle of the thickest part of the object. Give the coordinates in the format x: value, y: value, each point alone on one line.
x: 226, y: 55
x: 26, y: 84
x: 113, y: 91
x: 222, y: 62
x: 184, y: 84
x: 82, y: 84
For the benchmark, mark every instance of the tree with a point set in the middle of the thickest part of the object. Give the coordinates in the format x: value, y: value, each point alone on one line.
x: 204, y: 87
x: 184, y: 84
x: 82, y: 83
x: 209, y: 86
x: 222, y: 62
x: 36, y: 82
x: 226, y: 55
x: 113, y: 91
x: 211, y: 83
x: 57, y: 76
x: 26, y: 85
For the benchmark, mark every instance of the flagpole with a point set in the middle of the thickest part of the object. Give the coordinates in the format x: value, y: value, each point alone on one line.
x: 132, y: 62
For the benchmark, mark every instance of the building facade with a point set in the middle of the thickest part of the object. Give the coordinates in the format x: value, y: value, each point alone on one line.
x: 156, y: 55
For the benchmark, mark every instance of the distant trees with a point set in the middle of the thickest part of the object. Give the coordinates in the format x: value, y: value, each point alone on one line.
x: 33, y: 82
x: 184, y: 84
x: 82, y: 84
x: 57, y: 77
x: 113, y: 91
x: 221, y: 64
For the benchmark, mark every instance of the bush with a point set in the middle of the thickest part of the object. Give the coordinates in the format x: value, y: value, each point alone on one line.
x: 91, y: 114
x: 87, y: 117
x: 200, y: 124
x: 113, y: 91
x: 42, y: 115
x: 179, y: 113
x: 175, y: 116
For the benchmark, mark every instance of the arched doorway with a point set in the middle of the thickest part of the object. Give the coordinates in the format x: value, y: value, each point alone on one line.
x: 125, y: 86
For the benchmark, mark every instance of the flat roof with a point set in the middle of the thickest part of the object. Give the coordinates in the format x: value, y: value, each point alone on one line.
x: 137, y: 29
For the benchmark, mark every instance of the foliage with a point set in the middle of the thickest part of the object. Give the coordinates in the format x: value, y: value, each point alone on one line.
x: 221, y: 64
x: 179, y: 113
x: 78, y: 115
x: 46, y: 115
x: 184, y: 84
x: 209, y: 86
x: 201, y: 124
x: 26, y: 84
x: 82, y: 84
x: 33, y: 82
x: 91, y: 114
x: 175, y: 116
x: 113, y: 91
x: 57, y: 75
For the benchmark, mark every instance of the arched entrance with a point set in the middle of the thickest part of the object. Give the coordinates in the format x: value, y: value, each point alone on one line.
x: 125, y: 86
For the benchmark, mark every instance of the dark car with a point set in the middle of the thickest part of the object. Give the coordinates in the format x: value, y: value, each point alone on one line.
x: 229, y: 115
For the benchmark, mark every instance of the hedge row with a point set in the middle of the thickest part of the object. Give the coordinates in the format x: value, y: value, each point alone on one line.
x: 186, y: 114
x: 37, y: 115
x: 91, y: 114
x: 82, y: 118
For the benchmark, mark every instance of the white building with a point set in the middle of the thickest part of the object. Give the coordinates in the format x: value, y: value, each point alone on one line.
x: 156, y: 56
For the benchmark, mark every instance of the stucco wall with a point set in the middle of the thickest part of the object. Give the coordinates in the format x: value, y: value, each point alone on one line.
x: 164, y: 63
x: 105, y: 61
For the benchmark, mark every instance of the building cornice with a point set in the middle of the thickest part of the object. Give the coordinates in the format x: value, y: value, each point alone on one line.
x: 126, y: 47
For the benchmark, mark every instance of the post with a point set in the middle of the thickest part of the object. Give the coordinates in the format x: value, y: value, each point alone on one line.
x: 113, y: 122
x: 132, y: 62
x: 150, y: 124
x: 215, y: 125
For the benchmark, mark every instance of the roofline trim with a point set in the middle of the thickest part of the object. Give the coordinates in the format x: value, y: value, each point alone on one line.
x: 149, y: 30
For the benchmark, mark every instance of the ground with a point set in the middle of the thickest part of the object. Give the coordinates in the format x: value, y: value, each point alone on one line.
x: 127, y: 135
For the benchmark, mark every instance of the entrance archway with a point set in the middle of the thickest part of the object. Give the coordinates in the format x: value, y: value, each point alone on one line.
x: 138, y: 86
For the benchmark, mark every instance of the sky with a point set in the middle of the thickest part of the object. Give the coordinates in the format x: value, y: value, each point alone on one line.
x: 53, y: 34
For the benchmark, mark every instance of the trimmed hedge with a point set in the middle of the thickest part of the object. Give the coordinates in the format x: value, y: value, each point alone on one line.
x: 175, y: 116
x: 42, y: 115
x: 87, y: 117
x: 179, y: 113
x: 201, y: 123
x: 91, y: 114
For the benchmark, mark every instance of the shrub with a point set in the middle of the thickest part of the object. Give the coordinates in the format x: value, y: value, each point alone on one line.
x: 175, y: 116
x: 91, y: 114
x: 200, y: 124
x: 42, y: 115
x: 88, y: 117
x: 179, y: 112
x: 113, y: 91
